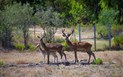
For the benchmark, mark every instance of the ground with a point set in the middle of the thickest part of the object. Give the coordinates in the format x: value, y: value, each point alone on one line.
x: 30, y: 64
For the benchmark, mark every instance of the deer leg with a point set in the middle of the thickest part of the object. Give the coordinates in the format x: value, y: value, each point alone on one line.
x: 64, y: 53
x: 89, y: 58
x: 75, y: 54
x: 65, y: 56
x: 54, y: 59
x: 93, y: 55
x: 57, y: 59
x: 48, y: 55
x: 60, y: 53
x: 44, y: 58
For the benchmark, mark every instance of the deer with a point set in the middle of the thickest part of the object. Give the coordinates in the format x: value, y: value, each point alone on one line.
x: 44, y: 53
x: 78, y: 46
x: 52, y: 48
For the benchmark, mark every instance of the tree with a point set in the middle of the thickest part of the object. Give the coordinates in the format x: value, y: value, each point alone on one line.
x: 50, y: 21
x: 14, y: 16
x: 3, y: 3
x: 108, y: 16
x: 76, y: 11
x: 114, y: 4
x: 24, y: 20
x: 91, y: 9
x: 6, y: 26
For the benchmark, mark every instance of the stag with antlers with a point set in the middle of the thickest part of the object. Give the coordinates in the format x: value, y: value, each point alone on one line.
x: 52, y: 48
x: 78, y: 46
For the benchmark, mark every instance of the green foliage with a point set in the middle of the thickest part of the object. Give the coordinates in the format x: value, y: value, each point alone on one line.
x: 66, y: 47
x: 6, y: 26
x: 114, y: 4
x: 31, y: 47
x: 107, y: 16
x: 118, y: 40
x: 98, y: 61
x: 76, y: 10
x: 49, y: 17
x: 117, y: 29
x: 1, y: 63
x: 102, y: 31
x: 15, y: 16
x: 50, y: 21
x: 19, y: 47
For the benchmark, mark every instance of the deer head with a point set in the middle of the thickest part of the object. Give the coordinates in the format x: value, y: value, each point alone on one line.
x: 67, y: 35
x: 41, y: 38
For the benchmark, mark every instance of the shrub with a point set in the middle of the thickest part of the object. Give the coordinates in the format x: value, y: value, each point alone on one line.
x: 20, y: 47
x: 65, y: 45
x: 118, y: 40
x: 31, y: 47
x: 102, y: 31
x: 98, y: 61
x: 117, y: 29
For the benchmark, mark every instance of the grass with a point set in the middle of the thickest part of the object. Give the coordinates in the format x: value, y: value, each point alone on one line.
x: 1, y: 63
x: 102, y: 45
x: 21, y: 62
x: 61, y: 70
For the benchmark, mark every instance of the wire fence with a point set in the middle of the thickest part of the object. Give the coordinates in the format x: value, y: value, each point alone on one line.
x: 89, y: 34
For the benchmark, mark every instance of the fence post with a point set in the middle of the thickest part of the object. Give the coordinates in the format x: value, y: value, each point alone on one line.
x: 109, y: 36
x: 79, y: 29
x: 94, y: 37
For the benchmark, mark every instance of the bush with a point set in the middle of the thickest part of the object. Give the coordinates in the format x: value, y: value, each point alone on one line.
x: 31, y: 47
x: 65, y: 45
x: 102, y: 31
x: 118, y: 40
x: 117, y: 29
x: 19, y: 47
x: 98, y: 61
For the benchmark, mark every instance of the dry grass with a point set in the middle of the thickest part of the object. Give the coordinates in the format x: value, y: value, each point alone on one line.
x: 75, y: 70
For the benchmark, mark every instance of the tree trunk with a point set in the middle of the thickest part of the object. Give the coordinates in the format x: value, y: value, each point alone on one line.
x: 6, y: 38
x: 25, y: 32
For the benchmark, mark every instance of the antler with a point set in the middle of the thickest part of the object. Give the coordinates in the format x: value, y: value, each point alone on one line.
x: 72, y: 31
x: 41, y: 37
x: 63, y: 33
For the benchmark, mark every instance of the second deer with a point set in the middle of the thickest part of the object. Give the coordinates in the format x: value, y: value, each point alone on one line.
x: 52, y: 47
x: 78, y: 46
x: 44, y: 53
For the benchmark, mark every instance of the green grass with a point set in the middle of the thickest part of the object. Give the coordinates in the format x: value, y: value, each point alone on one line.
x: 102, y: 45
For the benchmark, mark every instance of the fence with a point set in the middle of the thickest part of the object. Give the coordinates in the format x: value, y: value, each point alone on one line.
x: 85, y: 33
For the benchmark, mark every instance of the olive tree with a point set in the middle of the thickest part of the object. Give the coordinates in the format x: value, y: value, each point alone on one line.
x: 50, y: 21
x: 23, y: 20
x: 6, y: 26
x: 15, y: 16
